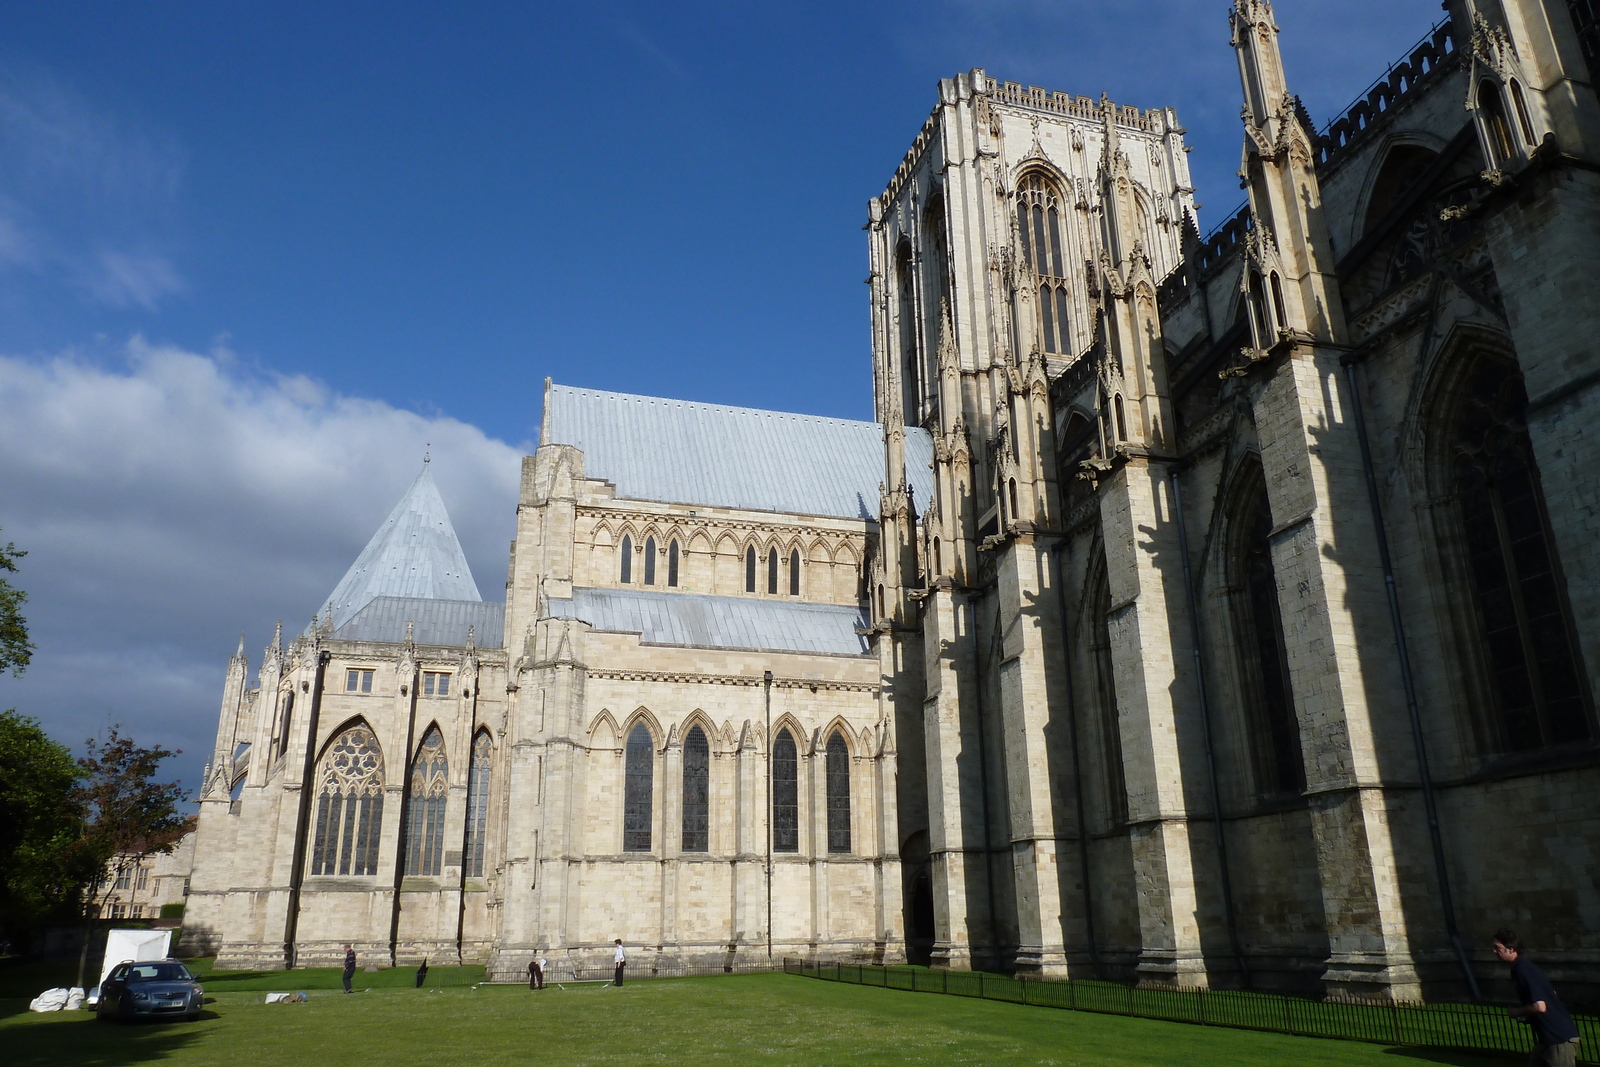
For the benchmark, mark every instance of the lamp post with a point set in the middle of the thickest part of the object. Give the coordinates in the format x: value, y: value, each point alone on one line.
x: 767, y: 685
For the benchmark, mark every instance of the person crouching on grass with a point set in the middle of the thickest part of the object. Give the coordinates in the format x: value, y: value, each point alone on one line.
x: 1555, y: 1038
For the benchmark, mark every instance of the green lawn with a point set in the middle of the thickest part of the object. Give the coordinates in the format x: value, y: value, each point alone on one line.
x: 738, y: 1020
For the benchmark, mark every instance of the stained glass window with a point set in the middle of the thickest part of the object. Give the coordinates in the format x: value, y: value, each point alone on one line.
x: 349, y: 805
x: 785, y: 795
x: 838, y: 769
x: 638, y: 790
x: 478, y: 803
x: 696, y: 791
x: 1533, y: 666
x: 1038, y: 204
x: 429, y: 788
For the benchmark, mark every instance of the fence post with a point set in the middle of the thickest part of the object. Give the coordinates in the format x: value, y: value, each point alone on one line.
x: 1201, y: 995
x: 944, y: 981
x: 1288, y: 1015
x: 1072, y: 995
x: 1394, y: 1020
x: 1024, y: 982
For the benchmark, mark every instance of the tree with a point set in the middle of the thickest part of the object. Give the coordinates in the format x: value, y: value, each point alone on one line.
x: 39, y: 820
x: 126, y: 817
x: 15, y: 651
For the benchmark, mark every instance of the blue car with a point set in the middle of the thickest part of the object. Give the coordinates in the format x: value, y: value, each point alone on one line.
x: 154, y: 989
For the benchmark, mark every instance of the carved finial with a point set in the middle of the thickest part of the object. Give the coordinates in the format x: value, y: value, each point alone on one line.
x: 408, y: 631
x: 471, y: 638
x: 277, y: 633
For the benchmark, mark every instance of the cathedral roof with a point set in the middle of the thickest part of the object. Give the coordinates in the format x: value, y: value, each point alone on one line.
x: 431, y: 622
x: 685, y: 452
x: 414, y: 554
x: 698, y: 621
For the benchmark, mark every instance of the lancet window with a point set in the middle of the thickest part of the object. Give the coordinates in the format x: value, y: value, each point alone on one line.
x: 794, y: 572
x: 1524, y: 624
x: 1039, y: 227
x: 638, y: 789
x: 478, y: 803
x: 1269, y: 698
x: 838, y: 772
x: 428, y: 791
x: 772, y: 571
x: 349, y: 805
x: 785, y: 794
x: 285, y: 722
x: 910, y: 359
x: 696, y: 791
x: 650, y: 561
x: 672, y: 565
x: 750, y: 569
x: 626, y: 575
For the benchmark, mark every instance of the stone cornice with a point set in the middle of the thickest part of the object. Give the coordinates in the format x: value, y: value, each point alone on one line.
x: 734, y: 679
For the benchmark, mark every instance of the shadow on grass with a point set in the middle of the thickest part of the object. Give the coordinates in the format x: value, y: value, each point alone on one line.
x: 1455, y: 1057
x: 84, y: 1042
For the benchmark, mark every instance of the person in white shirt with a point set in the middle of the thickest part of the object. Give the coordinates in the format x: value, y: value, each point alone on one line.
x: 620, y: 958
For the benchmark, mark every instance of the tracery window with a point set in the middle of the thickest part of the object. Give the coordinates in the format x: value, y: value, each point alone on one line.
x: 638, y: 799
x: 785, y: 794
x: 838, y: 772
x: 1269, y: 697
x: 426, y: 795
x: 650, y: 561
x: 1524, y: 625
x: 349, y: 805
x: 696, y: 791
x: 672, y: 564
x: 627, y: 559
x: 794, y: 572
x: 750, y: 569
x: 1039, y: 226
x: 478, y: 803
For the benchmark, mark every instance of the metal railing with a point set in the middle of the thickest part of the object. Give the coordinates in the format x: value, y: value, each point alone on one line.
x: 1463, y: 1027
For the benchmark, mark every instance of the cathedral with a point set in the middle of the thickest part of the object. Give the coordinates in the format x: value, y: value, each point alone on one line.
x: 1201, y: 611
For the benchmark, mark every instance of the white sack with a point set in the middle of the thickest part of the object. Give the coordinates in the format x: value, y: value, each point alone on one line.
x: 49, y: 1000
x: 75, y: 998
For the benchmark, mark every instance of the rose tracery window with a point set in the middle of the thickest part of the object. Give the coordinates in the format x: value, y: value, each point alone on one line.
x: 429, y: 787
x: 349, y: 805
x: 1039, y: 227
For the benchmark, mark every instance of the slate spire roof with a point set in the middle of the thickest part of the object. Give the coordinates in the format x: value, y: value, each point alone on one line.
x: 414, y: 554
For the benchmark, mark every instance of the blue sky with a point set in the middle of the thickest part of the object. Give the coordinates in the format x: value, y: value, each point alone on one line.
x: 277, y: 246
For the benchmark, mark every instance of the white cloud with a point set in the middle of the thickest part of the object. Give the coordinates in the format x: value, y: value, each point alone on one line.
x: 174, y: 499
x: 123, y: 279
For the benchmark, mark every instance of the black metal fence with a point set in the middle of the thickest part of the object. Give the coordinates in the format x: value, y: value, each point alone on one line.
x: 1465, y: 1027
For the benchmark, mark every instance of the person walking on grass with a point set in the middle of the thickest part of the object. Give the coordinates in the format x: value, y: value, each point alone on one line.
x: 620, y: 958
x: 349, y: 966
x: 1555, y: 1038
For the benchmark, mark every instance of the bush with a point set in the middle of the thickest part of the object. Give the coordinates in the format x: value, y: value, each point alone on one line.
x: 172, y: 911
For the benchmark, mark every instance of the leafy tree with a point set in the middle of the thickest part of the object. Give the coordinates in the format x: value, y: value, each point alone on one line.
x: 39, y: 821
x: 126, y: 817
x: 15, y: 651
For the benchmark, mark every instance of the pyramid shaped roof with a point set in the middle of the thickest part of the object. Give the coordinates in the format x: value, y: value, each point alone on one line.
x: 414, y: 554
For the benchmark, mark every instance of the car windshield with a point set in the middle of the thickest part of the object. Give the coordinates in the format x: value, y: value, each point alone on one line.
x: 159, y: 972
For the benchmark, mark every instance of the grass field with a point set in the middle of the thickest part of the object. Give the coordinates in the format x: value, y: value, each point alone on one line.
x: 738, y: 1020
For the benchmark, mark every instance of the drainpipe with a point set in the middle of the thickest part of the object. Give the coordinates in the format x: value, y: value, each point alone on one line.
x: 766, y: 682
x: 1413, y: 712
x: 1058, y: 550
x: 1205, y: 723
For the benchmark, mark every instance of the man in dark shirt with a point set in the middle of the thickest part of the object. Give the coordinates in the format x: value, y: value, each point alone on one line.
x: 349, y: 966
x: 1555, y: 1038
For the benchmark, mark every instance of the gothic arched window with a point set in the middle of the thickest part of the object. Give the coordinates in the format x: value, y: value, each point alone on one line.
x: 794, y: 572
x: 672, y: 564
x: 627, y: 559
x: 349, y: 805
x: 638, y: 791
x: 1497, y: 131
x: 428, y: 789
x: 478, y: 803
x: 1039, y: 226
x: 785, y: 794
x: 1269, y: 698
x: 696, y: 791
x: 284, y: 724
x: 838, y: 771
x: 650, y: 561
x: 750, y: 569
x: 910, y: 358
x: 772, y: 571
x: 1533, y: 666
